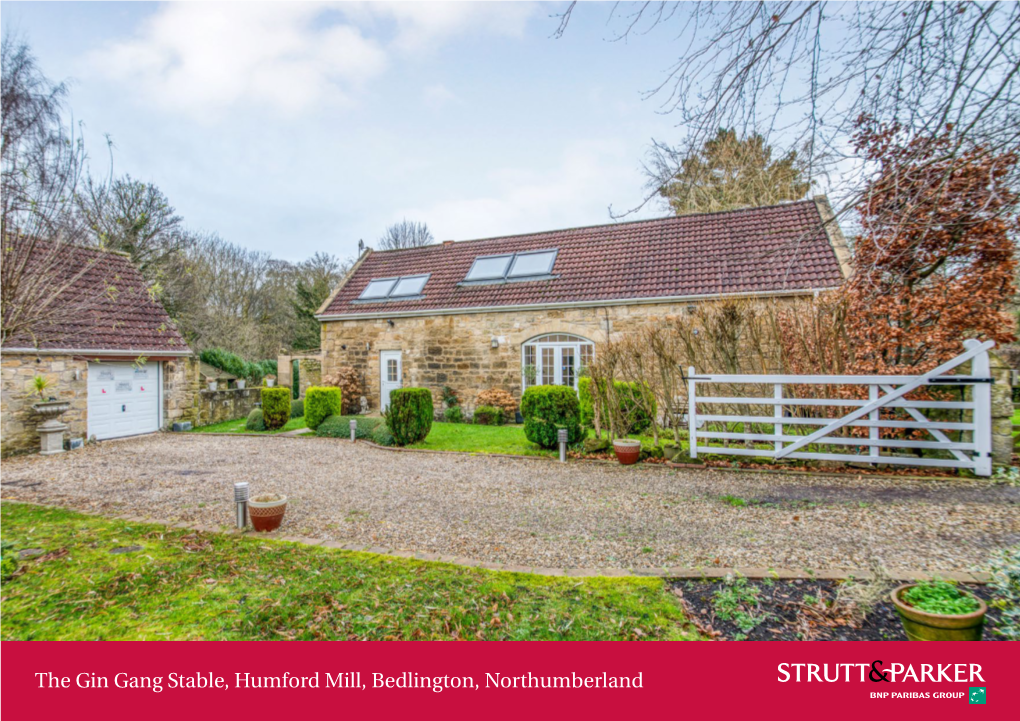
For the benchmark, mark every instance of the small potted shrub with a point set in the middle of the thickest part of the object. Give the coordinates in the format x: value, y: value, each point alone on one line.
x: 270, y: 380
x: 266, y: 511
x: 210, y: 383
x: 939, y: 611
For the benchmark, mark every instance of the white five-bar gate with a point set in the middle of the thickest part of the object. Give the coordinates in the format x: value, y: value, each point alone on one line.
x: 973, y: 451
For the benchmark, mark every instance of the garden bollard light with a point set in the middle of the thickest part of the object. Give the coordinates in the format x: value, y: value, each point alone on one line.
x: 354, y: 428
x: 562, y: 434
x: 241, y: 502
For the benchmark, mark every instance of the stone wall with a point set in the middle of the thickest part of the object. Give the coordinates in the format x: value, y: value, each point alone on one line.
x: 69, y: 375
x: 1002, y: 410
x: 181, y: 386
x: 309, y: 374
x: 456, y: 350
x: 225, y: 405
x: 17, y: 418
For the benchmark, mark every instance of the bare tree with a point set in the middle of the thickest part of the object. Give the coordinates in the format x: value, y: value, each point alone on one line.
x: 406, y: 234
x: 806, y: 71
x: 41, y: 165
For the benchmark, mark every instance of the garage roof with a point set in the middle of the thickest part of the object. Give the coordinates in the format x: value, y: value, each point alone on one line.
x: 105, y: 306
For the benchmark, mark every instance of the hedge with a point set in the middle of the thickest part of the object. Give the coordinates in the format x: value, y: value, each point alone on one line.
x: 547, y: 409
x: 634, y: 415
x: 320, y: 403
x: 410, y: 415
x: 297, y: 408
x: 232, y: 363
x: 276, y: 407
x: 255, y: 421
x: 340, y: 427
x: 488, y: 416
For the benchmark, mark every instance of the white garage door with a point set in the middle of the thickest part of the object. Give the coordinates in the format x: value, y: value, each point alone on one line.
x: 123, y: 399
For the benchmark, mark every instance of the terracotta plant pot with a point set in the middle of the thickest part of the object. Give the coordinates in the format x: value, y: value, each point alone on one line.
x: 267, y: 515
x: 924, y: 626
x: 627, y: 452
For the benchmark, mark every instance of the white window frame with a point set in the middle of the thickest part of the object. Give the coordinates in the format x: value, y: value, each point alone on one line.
x: 397, y: 280
x: 563, y: 340
x: 508, y: 271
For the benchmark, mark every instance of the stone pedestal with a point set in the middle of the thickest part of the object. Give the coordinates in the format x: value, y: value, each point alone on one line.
x: 51, y: 437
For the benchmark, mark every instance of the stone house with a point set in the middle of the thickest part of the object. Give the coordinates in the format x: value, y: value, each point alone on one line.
x: 515, y: 311
x: 118, y: 359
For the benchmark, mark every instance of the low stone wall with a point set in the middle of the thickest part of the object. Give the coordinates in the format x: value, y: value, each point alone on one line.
x: 224, y: 405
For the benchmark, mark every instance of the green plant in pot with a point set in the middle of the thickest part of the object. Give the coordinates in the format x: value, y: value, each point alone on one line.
x: 939, y: 611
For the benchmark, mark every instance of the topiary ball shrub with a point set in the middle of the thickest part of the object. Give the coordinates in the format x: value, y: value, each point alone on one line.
x: 488, y: 416
x: 410, y: 415
x: 255, y: 421
x: 320, y: 403
x: 297, y: 408
x: 546, y: 409
x: 275, y: 407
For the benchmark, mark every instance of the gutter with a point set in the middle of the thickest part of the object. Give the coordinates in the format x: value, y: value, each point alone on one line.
x: 566, y: 305
x: 94, y: 352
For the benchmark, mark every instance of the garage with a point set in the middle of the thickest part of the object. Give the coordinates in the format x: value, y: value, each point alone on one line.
x: 123, y: 399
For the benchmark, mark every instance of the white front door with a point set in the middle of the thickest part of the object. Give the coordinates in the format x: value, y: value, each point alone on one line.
x: 123, y: 399
x: 391, y: 373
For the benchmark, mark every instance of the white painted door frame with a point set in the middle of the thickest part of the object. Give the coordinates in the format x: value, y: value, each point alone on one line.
x: 391, y: 374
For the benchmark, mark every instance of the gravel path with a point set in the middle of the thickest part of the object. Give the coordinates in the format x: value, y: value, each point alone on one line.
x: 536, y: 512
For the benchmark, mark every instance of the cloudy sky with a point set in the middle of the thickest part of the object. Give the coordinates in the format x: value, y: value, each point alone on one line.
x: 294, y: 128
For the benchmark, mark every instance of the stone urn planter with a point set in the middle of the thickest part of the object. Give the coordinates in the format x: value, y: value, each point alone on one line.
x: 628, y: 452
x: 241, y: 383
x: 924, y: 626
x: 266, y: 511
x: 670, y: 451
x: 270, y: 381
x: 211, y: 385
x: 51, y: 430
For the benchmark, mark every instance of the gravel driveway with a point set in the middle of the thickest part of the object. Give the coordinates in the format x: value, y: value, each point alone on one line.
x: 537, y: 512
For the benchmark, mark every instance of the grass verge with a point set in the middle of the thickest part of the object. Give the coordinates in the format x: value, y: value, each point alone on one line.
x: 189, y: 585
x: 237, y: 426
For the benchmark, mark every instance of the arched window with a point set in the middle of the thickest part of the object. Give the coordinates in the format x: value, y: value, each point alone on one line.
x: 555, y: 359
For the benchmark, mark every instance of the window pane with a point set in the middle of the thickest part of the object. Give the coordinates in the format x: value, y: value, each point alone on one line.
x: 533, y: 264
x: 391, y: 371
x: 378, y: 288
x: 487, y: 268
x: 587, y: 356
x: 548, y: 366
x: 409, y: 285
x: 568, y: 367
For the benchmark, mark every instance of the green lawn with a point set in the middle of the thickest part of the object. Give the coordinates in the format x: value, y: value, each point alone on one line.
x: 189, y: 585
x: 481, y: 439
x: 238, y: 427
x: 1016, y: 416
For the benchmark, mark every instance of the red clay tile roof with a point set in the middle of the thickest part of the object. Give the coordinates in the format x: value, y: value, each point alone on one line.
x: 776, y: 248
x: 109, y: 301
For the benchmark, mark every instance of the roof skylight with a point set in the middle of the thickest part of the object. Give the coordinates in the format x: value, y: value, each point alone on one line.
x: 392, y: 288
x: 512, y: 266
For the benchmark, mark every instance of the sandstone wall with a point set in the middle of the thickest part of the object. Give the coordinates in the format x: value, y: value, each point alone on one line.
x: 225, y: 405
x: 456, y: 350
x: 17, y: 418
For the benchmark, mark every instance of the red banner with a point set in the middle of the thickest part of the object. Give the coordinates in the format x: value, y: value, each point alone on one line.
x: 172, y: 680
